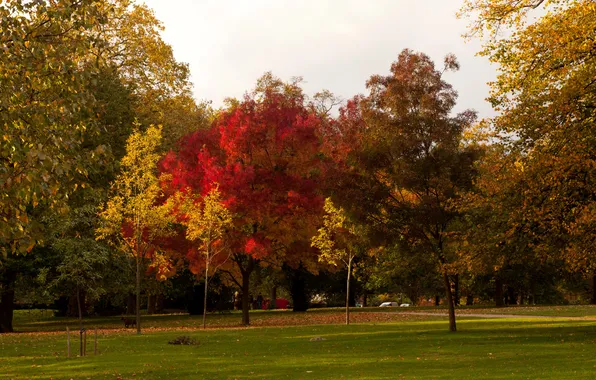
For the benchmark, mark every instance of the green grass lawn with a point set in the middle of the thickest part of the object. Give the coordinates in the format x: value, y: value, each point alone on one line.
x: 554, y: 311
x: 538, y: 310
x: 416, y: 347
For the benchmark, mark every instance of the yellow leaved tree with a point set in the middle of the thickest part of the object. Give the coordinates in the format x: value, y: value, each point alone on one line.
x: 207, y: 220
x: 338, y: 242
x: 545, y: 93
x: 134, y: 219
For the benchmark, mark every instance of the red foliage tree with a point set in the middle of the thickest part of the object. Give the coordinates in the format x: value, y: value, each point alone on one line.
x: 263, y: 152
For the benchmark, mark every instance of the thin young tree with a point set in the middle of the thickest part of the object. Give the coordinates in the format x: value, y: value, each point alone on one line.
x: 207, y: 220
x: 337, y: 240
x: 134, y: 218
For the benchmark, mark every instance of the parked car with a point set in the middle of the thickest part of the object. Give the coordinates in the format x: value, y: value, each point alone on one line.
x: 404, y: 305
x: 388, y: 304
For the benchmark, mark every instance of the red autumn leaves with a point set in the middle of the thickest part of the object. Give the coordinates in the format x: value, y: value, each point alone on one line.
x: 263, y: 154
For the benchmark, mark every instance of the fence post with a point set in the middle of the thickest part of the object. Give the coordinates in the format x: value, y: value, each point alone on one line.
x: 81, y: 351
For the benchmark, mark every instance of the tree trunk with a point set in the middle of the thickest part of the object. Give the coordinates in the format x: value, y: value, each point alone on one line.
x: 73, y: 303
x: 437, y: 300
x: 449, y: 299
x: 364, y: 300
x: 138, y: 305
x: 456, y: 295
x: 593, y: 300
x: 7, y: 302
x: 469, y: 300
x: 499, y: 292
x: 80, y: 309
x: 130, y: 304
x: 159, y: 303
x: 151, y: 301
x: 298, y: 288
x: 272, y: 303
x: 348, y: 293
x: 245, y: 295
x: 511, y: 296
x: 205, y: 297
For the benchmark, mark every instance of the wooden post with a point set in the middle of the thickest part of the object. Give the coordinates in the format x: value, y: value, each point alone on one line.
x: 81, y: 342
x: 95, y: 346
x: 85, y: 343
x: 67, y: 342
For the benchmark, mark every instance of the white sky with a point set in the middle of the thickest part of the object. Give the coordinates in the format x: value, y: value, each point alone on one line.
x: 334, y: 44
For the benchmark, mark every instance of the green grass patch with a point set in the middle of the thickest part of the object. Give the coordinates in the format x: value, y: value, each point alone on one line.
x: 538, y: 310
x: 488, y: 349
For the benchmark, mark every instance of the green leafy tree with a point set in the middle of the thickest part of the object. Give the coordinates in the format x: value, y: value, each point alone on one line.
x: 45, y: 76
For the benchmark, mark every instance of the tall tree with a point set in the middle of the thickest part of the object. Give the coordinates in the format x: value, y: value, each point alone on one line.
x: 46, y: 108
x: 45, y: 76
x: 71, y: 76
x: 262, y: 152
x: 545, y: 93
x: 410, y: 164
x: 134, y: 217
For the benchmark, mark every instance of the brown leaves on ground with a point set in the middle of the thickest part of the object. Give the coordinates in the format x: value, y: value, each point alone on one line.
x: 278, y: 319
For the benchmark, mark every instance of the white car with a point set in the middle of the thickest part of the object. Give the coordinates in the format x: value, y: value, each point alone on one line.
x: 404, y: 305
x: 388, y: 304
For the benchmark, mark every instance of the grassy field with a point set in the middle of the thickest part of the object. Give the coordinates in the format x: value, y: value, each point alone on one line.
x: 408, y: 346
x: 587, y: 311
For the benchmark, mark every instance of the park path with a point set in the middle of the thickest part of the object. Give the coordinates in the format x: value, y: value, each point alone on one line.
x: 477, y: 315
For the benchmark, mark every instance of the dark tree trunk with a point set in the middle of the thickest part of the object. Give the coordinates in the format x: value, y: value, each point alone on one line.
x: 593, y: 300
x: 298, y: 288
x: 449, y: 299
x: 245, y: 298
x: 80, y: 309
x: 131, y: 305
x: 7, y: 301
x: 364, y: 300
x: 75, y: 302
x: 246, y: 265
x: 273, y: 295
x: 159, y: 303
x: 499, y: 292
x: 511, y: 296
x: 469, y: 300
x: 352, y: 300
x: 413, y: 294
x: 437, y: 300
x: 456, y: 295
x: 151, y: 304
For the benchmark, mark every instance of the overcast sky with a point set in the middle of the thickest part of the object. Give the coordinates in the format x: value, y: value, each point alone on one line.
x: 333, y: 44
